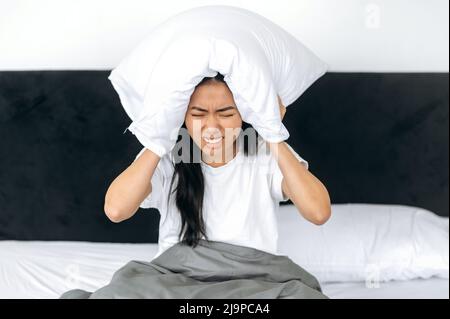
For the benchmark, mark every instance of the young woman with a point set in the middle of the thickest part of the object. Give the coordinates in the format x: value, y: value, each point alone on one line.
x: 230, y: 194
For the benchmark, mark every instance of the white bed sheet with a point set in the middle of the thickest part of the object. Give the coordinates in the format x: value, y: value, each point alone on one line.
x: 37, y: 269
x: 432, y: 288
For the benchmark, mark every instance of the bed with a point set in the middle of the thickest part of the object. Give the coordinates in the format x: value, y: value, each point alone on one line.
x: 42, y: 269
x: 384, y: 162
x: 47, y: 269
x: 39, y: 269
x: 31, y: 271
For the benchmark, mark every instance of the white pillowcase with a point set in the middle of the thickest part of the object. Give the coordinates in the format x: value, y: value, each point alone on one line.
x: 259, y: 60
x: 367, y: 242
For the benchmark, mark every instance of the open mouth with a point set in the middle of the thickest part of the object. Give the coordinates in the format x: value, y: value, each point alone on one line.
x: 213, y: 141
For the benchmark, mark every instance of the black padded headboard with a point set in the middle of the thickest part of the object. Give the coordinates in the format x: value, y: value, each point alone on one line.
x: 369, y: 137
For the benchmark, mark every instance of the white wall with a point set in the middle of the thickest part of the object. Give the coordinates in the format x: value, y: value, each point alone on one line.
x: 350, y: 35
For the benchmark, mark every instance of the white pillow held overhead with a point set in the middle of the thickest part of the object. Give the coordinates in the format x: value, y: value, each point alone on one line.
x: 259, y: 60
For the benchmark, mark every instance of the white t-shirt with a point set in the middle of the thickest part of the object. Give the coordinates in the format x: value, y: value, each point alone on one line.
x: 240, y: 203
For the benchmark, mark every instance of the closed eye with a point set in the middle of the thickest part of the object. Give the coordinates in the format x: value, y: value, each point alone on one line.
x: 223, y: 115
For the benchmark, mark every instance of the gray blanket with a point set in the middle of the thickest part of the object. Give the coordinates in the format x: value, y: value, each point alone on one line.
x: 214, y: 270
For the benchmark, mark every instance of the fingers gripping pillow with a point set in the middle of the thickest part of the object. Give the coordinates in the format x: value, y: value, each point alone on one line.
x: 259, y: 60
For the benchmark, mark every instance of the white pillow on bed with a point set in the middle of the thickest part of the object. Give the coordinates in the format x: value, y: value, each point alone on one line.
x: 367, y: 242
x: 259, y: 60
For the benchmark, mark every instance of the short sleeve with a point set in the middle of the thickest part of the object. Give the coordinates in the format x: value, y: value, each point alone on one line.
x: 153, y: 200
x: 277, y: 176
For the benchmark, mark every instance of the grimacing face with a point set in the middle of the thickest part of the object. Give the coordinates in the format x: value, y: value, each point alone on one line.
x: 213, y: 121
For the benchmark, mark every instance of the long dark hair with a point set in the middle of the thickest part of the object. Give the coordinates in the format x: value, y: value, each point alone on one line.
x: 190, y: 189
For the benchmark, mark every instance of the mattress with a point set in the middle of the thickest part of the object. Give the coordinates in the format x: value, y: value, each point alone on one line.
x: 37, y: 269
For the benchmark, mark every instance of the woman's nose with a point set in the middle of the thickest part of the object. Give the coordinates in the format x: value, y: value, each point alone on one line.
x: 211, y: 121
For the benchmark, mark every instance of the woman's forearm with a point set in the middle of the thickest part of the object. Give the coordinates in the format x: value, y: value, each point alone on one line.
x: 131, y: 187
x: 308, y: 194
